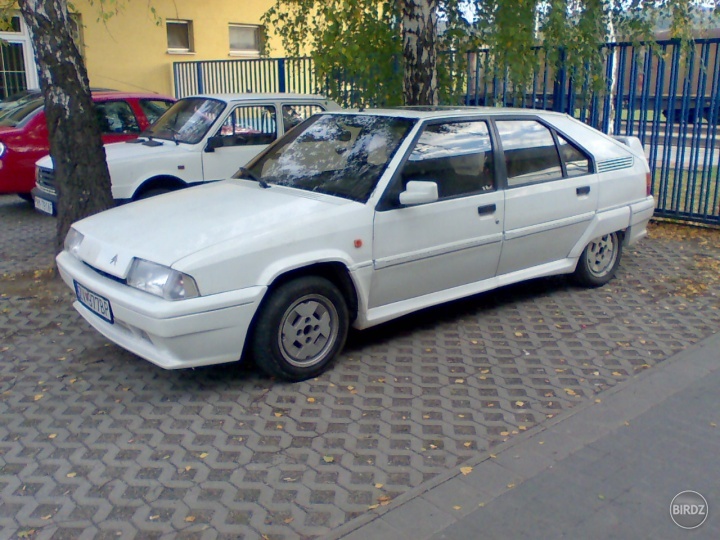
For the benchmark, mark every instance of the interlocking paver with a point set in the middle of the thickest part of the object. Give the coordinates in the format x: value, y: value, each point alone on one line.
x: 95, y: 441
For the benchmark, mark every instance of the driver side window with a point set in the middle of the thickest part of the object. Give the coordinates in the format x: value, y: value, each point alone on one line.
x: 249, y: 125
x: 457, y: 156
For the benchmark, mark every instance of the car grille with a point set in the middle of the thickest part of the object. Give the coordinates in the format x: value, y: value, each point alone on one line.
x: 46, y: 180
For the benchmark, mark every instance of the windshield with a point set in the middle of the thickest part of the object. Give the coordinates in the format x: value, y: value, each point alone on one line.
x: 341, y: 155
x: 13, y: 116
x: 187, y: 121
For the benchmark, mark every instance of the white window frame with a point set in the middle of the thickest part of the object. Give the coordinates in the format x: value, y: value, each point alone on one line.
x: 255, y: 53
x: 191, y: 42
x: 23, y: 37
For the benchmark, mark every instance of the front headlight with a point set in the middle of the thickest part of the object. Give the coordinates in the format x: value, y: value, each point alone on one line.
x: 161, y: 281
x: 72, y: 242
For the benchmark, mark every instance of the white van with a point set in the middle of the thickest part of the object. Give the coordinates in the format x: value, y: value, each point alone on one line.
x: 199, y: 139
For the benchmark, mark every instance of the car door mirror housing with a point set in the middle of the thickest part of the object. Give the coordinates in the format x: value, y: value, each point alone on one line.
x: 213, y: 143
x: 419, y: 192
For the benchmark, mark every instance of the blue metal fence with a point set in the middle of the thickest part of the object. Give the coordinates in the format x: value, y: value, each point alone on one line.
x: 670, y: 100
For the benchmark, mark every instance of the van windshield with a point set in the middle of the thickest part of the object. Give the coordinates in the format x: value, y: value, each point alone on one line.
x: 187, y: 121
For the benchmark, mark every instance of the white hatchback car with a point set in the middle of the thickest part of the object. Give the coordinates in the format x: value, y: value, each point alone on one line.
x: 356, y: 218
x: 199, y: 139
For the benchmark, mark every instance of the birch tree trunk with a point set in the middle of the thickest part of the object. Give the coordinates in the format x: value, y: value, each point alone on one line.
x: 419, y: 29
x: 81, y: 174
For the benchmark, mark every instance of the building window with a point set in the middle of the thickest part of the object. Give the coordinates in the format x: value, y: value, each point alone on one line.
x: 245, y: 40
x: 179, y: 36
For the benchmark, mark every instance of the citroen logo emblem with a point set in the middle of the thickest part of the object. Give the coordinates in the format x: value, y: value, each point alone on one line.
x: 114, y: 260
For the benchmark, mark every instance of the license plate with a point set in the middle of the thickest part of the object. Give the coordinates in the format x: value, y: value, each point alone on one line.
x: 94, y: 302
x: 46, y: 207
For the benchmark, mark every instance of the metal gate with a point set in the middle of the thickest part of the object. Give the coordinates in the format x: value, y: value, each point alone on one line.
x: 668, y: 99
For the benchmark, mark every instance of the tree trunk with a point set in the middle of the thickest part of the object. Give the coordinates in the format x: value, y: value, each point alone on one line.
x: 81, y: 174
x: 419, y: 27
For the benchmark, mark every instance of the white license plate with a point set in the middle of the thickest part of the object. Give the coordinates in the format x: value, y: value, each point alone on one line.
x: 44, y: 206
x: 94, y: 302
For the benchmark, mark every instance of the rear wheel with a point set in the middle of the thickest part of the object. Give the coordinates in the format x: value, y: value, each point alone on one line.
x: 26, y: 197
x: 300, y: 329
x: 153, y: 192
x: 599, y: 261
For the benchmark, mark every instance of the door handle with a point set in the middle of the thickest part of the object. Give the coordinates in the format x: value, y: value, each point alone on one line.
x: 487, y: 209
x: 583, y: 190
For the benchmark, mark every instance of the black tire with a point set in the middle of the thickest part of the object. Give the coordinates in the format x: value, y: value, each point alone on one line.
x: 26, y: 197
x: 599, y: 261
x: 300, y: 329
x: 153, y: 192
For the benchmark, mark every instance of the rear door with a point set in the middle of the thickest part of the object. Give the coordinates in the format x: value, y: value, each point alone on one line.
x: 551, y: 194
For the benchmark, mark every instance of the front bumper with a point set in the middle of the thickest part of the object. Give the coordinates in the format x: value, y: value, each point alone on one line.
x: 182, y: 334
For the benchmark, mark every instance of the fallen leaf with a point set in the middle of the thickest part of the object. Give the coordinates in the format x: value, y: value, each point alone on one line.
x: 459, y: 381
x: 601, y: 496
x: 52, y: 435
x: 45, y: 518
x: 153, y: 518
x: 519, y: 403
x: 38, y: 397
x: 467, y: 444
x: 510, y: 486
x: 190, y: 519
x: 328, y: 459
x: 288, y: 520
x: 373, y: 506
x: 71, y: 475
x: 713, y: 424
x: 378, y: 486
x: 204, y: 455
x: 456, y: 507
x: 311, y: 400
x: 493, y: 456
x: 504, y: 433
x: 466, y: 470
x: 278, y: 414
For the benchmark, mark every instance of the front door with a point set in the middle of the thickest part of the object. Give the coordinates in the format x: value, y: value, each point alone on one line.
x: 245, y: 132
x: 454, y: 241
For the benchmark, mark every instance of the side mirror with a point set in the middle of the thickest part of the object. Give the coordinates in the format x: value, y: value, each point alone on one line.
x: 213, y: 143
x: 419, y: 192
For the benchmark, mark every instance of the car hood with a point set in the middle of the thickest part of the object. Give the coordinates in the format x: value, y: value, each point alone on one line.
x: 134, y: 149
x: 169, y: 227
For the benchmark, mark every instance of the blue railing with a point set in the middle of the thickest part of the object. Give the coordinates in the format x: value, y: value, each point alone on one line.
x: 670, y: 100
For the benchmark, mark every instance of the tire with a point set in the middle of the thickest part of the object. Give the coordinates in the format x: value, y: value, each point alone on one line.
x: 153, y: 192
x: 599, y: 261
x: 26, y: 197
x: 300, y: 329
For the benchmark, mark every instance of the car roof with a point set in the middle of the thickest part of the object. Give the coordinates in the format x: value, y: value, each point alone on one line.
x: 262, y: 96
x: 449, y: 111
x: 120, y: 94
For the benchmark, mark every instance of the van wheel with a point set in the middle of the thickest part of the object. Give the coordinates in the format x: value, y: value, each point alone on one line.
x: 300, y: 329
x: 599, y: 261
x: 153, y: 192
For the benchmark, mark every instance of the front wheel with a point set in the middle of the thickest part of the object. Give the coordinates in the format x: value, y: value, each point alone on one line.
x: 300, y: 329
x: 599, y: 261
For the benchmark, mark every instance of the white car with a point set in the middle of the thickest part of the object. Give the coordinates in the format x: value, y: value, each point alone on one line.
x: 199, y: 139
x: 356, y: 218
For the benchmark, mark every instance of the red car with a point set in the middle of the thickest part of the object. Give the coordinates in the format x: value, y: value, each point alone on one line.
x: 24, y: 134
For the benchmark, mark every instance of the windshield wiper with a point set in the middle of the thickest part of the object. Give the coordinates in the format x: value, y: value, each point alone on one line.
x: 247, y: 173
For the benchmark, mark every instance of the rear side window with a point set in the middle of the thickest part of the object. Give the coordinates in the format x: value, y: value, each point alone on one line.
x: 530, y: 152
x: 457, y: 156
x: 577, y: 162
x: 154, y: 108
x: 116, y: 117
x: 294, y: 114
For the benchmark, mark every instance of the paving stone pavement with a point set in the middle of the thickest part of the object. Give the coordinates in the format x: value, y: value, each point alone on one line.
x: 95, y: 442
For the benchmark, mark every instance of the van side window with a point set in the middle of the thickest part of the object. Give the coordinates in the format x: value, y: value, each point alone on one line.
x: 530, y: 152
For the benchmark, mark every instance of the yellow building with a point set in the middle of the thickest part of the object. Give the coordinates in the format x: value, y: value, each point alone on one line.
x: 135, y: 49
